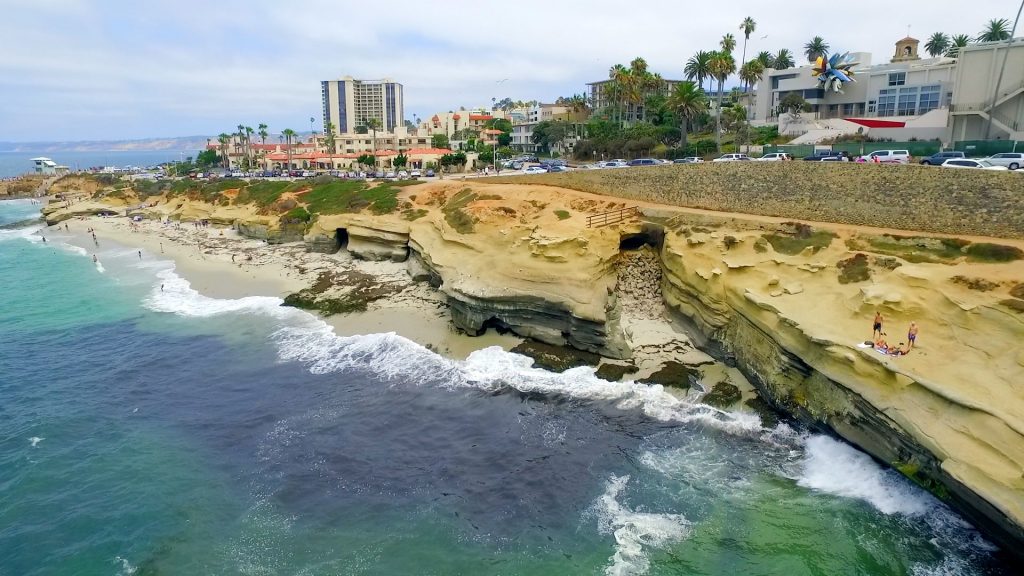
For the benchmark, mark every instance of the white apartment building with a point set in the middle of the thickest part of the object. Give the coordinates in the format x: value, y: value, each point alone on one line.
x: 907, y: 86
x: 348, y: 103
x: 979, y: 110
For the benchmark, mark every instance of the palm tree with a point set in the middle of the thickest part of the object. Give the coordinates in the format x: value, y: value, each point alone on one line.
x: 289, y: 135
x: 747, y: 27
x: 373, y: 124
x: 815, y: 48
x: 263, y: 133
x: 224, y: 139
x: 995, y: 31
x: 956, y: 43
x: 767, y: 59
x: 687, y: 101
x: 697, y: 67
x: 329, y: 137
x: 728, y: 43
x: 248, y: 144
x: 783, y: 59
x: 937, y: 44
x: 750, y: 73
x: 619, y: 76
x: 722, y: 66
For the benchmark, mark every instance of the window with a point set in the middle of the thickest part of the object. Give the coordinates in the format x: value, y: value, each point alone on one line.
x: 871, y: 106
x: 887, y: 105
x: 847, y: 109
x: 929, y: 99
x: 907, y: 105
x: 897, y: 78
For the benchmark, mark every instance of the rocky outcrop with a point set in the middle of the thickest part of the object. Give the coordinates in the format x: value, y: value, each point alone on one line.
x: 365, y: 238
x: 965, y: 453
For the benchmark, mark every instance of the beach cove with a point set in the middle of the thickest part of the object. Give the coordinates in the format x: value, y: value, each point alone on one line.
x: 638, y: 540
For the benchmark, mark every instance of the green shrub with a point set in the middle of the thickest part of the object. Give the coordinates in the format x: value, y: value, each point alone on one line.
x: 854, y: 269
x: 986, y: 252
x: 262, y: 194
x: 563, y: 214
x: 797, y: 242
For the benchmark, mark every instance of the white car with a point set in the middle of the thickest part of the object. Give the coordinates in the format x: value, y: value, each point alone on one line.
x: 1012, y: 160
x: 415, y: 174
x: 968, y: 163
x: 534, y: 170
x: 689, y: 160
x: 888, y: 157
x: 403, y: 174
x: 731, y: 158
x: 616, y: 164
x: 774, y: 157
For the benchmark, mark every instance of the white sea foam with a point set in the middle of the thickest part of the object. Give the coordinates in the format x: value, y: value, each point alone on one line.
x: 125, y: 567
x: 100, y: 268
x: 27, y: 233
x: 837, y: 468
x: 636, y: 533
x: 35, y: 440
x: 74, y: 249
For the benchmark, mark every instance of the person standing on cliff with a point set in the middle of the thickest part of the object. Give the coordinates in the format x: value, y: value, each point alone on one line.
x: 911, y: 336
x: 877, y: 326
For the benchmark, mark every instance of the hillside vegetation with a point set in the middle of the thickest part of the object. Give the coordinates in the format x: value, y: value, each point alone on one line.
x: 905, y: 197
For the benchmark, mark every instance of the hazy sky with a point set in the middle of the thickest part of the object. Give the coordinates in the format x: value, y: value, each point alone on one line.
x: 74, y: 70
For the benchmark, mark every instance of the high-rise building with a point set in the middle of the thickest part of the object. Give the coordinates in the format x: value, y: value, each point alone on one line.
x: 349, y: 103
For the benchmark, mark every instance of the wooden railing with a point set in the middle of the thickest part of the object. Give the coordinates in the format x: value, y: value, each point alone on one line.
x: 612, y: 217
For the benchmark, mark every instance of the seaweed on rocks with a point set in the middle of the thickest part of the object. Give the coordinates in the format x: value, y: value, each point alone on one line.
x: 556, y: 358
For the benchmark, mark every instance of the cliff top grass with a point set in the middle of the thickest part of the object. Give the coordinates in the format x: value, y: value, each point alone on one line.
x: 455, y: 214
x: 974, y: 202
x: 924, y: 249
x: 346, y: 196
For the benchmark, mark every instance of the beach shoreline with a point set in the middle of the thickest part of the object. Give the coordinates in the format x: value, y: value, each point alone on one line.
x: 219, y: 263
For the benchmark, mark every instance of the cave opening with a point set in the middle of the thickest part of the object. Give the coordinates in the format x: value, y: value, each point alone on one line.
x: 342, y: 237
x: 648, y: 236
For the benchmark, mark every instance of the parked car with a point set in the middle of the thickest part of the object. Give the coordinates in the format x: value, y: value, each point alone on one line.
x: 429, y: 173
x: 775, y: 157
x: 689, y: 160
x: 969, y: 163
x: 587, y: 167
x: 887, y: 157
x: 415, y: 174
x: 534, y: 170
x: 391, y: 175
x: 838, y: 157
x: 939, y: 157
x: 644, y: 162
x: 615, y: 164
x: 403, y: 174
x: 1012, y: 160
x: 557, y: 168
x: 820, y: 155
x: 731, y: 158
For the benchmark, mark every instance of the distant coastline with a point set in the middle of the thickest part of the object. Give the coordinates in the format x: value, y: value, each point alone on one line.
x: 140, y: 145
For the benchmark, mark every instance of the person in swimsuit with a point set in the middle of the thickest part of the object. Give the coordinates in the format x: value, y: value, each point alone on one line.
x: 911, y: 335
x: 876, y: 328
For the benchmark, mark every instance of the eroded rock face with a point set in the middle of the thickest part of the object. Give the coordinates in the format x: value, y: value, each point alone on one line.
x: 973, y: 460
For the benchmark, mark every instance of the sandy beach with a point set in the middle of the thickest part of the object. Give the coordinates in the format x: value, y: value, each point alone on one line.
x: 220, y: 263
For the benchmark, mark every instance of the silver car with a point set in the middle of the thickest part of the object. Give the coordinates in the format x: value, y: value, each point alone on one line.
x: 1011, y: 160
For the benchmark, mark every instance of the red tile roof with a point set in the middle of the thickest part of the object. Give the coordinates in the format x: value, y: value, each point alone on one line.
x: 480, y: 117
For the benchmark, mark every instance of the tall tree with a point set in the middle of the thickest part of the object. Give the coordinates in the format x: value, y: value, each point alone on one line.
x: 783, y: 59
x: 687, y: 101
x: 329, y: 140
x: 937, y: 44
x: 747, y: 27
x: 373, y: 124
x: 618, y: 87
x: 240, y: 142
x: 289, y: 135
x: 248, y: 144
x: 728, y: 43
x: 722, y: 66
x: 224, y: 139
x: 956, y: 43
x: 698, y: 67
x: 995, y: 30
x: 767, y: 59
x: 263, y: 133
x: 750, y: 73
x: 815, y: 48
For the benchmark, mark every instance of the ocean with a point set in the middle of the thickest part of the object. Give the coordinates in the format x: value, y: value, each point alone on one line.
x: 17, y: 163
x: 148, y: 429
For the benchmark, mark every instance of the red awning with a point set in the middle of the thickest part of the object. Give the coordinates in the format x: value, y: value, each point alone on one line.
x: 876, y: 123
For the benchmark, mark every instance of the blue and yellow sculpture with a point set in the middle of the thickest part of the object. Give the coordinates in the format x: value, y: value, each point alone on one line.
x: 835, y: 71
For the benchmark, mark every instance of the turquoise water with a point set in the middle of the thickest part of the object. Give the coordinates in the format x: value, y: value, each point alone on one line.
x: 161, y: 432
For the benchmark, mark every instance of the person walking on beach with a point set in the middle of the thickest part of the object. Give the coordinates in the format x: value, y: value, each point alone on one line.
x: 140, y: 254
x: 66, y: 228
x: 911, y: 336
x: 876, y: 328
